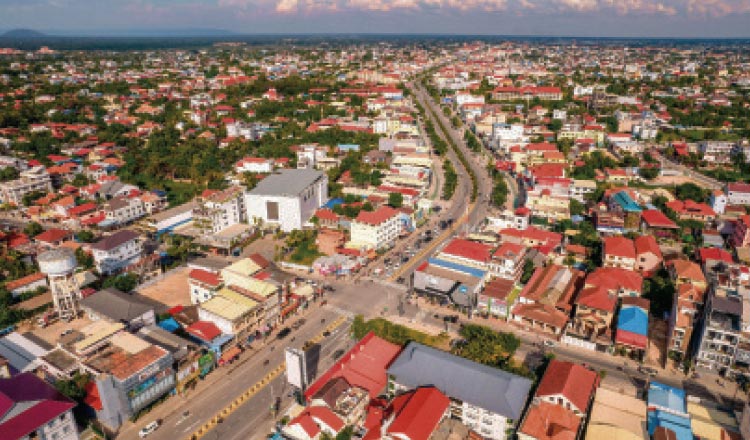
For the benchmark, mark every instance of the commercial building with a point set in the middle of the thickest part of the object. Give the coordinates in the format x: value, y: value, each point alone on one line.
x: 375, y: 230
x: 123, y: 209
x: 487, y: 400
x: 287, y: 199
x: 115, y: 306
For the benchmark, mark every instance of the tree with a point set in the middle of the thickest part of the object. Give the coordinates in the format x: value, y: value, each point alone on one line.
x: 8, y: 173
x: 395, y: 199
x: 124, y: 282
x: 689, y: 191
x: 528, y: 271
x: 86, y: 236
x: 484, y: 345
x: 85, y: 260
x: 33, y: 229
x: 80, y: 180
x: 576, y: 207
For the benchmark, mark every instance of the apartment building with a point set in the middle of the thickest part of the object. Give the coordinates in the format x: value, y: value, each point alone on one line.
x: 32, y: 180
x: 721, y: 334
x: 117, y: 251
x: 378, y: 229
x: 121, y: 210
x: 217, y: 210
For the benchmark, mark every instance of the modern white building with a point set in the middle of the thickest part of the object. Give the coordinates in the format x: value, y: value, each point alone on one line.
x: 738, y: 194
x: 254, y: 165
x: 288, y: 198
x: 375, y: 230
x: 34, y: 179
x: 117, y: 251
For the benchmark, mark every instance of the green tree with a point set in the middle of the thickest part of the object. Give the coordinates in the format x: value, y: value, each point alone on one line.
x: 577, y: 208
x: 80, y: 180
x: 528, y: 271
x: 85, y: 236
x: 689, y: 191
x: 85, y: 260
x: 33, y: 229
x: 124, y: 282
x: 8, y: 173
x: 395, y: 199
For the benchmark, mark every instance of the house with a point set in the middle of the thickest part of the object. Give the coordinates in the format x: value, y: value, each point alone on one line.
x: 29, y: 283
x: 32, y: 408
x: 414, y: 415
x: 378, y: 229
x: 35, y: 179
x: 741, y: 234
x: 287, y: 199
x: 487, y: 400
x: 116, y: 252
x: 632, y: 326
x: 738, y: 193
x: 654, y: 222
x: 569, y: 385
x: 53, y: 237
x: 311, y: 423
x: 619, y: 251
x: 690, y: 210
x: 254, y: 165
x: 648, y: 255
x: 203, y: 285
x: 719, y: 200
x: 547, y: 421
x: 495, y: 298
x: 121, y: 209
x: 508, y: 261
x: 114, y: 306
x: 546, y: 301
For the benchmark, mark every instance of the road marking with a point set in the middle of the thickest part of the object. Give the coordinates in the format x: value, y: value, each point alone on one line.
x: 255, y: 388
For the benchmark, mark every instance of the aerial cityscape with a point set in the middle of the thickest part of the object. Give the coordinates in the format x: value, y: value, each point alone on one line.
x: 415, y: 226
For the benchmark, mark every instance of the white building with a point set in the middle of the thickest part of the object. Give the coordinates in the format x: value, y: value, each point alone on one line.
x: 579, y: 189
x: 288, y: 198
x: 124, y: 209
x: 254, y: 165
x: 718, y: 201
x: 117, y: 251
x: 34, y: 179
x: 216, y: 211
x: 375, y: 230
x: 738, y: 194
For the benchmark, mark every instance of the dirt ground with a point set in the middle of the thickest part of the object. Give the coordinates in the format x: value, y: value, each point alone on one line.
x: 673, y: 180
x: 657, y: 337
x: 170, y: 289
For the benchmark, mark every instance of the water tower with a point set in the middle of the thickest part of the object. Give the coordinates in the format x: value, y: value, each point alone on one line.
x: 59, y: 265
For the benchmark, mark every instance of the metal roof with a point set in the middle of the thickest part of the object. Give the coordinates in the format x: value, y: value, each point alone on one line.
x: 482, y: 386
x: 289, y: 182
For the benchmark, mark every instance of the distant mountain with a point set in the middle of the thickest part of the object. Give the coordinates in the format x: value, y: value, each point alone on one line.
x: 23, y: 34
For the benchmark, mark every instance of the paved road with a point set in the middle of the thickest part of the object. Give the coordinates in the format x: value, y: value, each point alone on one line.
x: 708, y: 182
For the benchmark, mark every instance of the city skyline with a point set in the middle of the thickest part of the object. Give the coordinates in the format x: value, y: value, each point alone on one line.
x: 584, y: 18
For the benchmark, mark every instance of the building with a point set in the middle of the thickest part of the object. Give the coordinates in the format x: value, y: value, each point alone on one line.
x: 30, y: 408
x: 738, y: 193
x: 667, y: 412
x: 741, y: 234
x: 546, y: 301
x: 122, y: 209
x: 115, y: 306
x: 254, y: 165
x: 619, y: 252
x: 508, y: 261
x: 203, y: 285
x: 116, y: 252
x: 414, y: 415
x: 495, y: 298
x: 378, y: 229
x: 647, y: 255
x: 615, y: 415
x: 721, y: 334
x: 569, y: 385
x: 287, y: 199
x: 32, y: 180
x: 130, y: 374
x: 632, y: 326
x: 548, y: 421
x: 487, y: 400
x: 29, y: 283
x: 217, y: 210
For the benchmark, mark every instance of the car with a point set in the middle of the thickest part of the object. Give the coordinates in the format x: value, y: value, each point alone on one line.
x: 337, y: 354
x: 284, y: 333
x: 148, y: 429
x: 298, y: 324
x: 548, y: 343
x: 648, y: 371
x: 326, y: 334
x: 66, y: 332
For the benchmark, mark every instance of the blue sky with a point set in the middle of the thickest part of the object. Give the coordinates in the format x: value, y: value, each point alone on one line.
x: 632, y: 18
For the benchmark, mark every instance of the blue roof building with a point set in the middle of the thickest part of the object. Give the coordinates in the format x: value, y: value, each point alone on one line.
x: 679, y: 424
x: 633, y: 319
x: 665, y: 397
x: 667, y: 409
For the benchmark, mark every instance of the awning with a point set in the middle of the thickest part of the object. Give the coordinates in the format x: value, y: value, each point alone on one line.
x: 229, y: 354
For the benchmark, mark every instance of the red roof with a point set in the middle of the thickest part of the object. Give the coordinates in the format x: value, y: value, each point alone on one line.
x: 92, y: 398
x: 53, y: 235
x: 656, y: 219
x: 28, y: 279
x: 327, y: 215
x: 204, y: 330
x: 376, y: 217
x: 619, y: 246
x: 81, y: 209
x: 573, y: 381
x: 631, y: 339
x: 205, y: 277
x: 28, y: 403
x: 363, y: 366
x: 547, y: 421
x: 645, y: 244
x: 418, y: 413
x: 310, y: 419
x: 615, y: 278
x: 470, y: 250
x: 715, y: 254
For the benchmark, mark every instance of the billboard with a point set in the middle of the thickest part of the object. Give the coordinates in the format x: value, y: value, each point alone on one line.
x: 295, y: 367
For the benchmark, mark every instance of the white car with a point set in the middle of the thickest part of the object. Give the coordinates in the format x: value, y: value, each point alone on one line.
x: 548, y: 343
x: 148, y: 429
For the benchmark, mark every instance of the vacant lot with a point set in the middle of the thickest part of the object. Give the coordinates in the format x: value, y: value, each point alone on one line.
x: 170, y: 289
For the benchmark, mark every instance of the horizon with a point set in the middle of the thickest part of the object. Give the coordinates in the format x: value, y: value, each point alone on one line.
x: 683, y: 19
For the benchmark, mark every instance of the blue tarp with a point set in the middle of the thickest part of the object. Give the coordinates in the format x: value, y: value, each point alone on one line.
x: 680, y: 425
x: 665, y: 396
x: 333, y: 202
x: 169, y: 325
x: 634, y: 320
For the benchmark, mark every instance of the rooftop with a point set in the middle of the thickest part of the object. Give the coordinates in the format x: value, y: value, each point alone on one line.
x: 287, y: 182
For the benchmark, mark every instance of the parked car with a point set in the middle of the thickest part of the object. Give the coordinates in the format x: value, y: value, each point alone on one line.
x: 548, y: 343
x: 148, y: 429
x: 337, y: 354
x: 284, y: 333
x: 648, y: 370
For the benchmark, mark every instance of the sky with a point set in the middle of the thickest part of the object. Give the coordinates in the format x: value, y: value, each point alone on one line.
x: 606, y: 18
